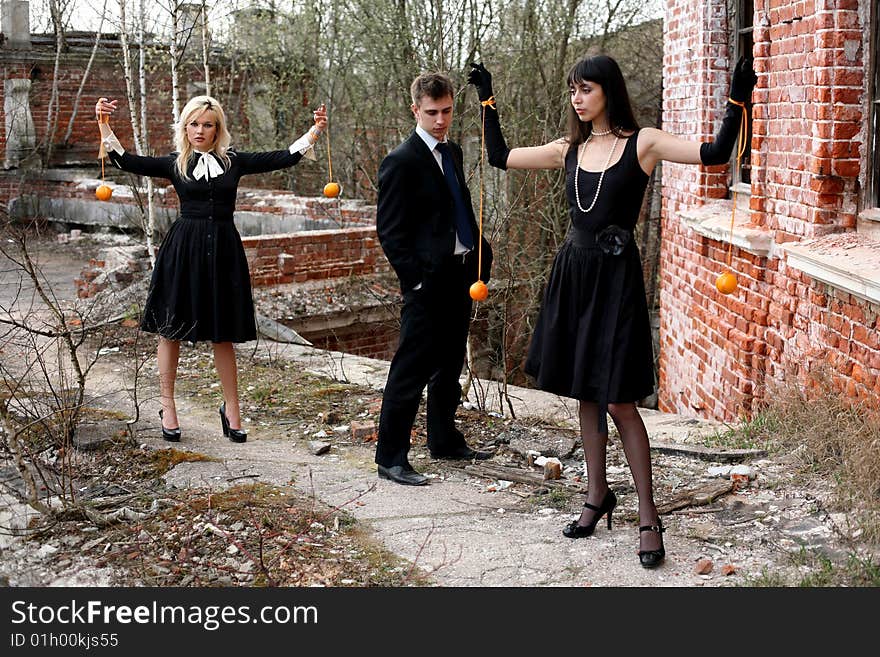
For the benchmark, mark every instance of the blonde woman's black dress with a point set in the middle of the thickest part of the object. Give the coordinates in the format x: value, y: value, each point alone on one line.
x: 200, y: 287
x: 592, y: 340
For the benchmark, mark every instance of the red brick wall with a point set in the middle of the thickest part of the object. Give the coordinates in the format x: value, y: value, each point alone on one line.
x: 106, y: 79
x: 809, y: 125
x: 314, y: 255
x: 719, y: 353
x: 371, y: 340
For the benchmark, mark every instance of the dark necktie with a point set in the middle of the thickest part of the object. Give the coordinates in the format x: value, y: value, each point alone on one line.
x: 462, y: 223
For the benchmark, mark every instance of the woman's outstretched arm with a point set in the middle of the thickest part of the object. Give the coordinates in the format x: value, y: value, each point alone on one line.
x: 156, y: 167
x: 548, y: 156
x: 655, y: 145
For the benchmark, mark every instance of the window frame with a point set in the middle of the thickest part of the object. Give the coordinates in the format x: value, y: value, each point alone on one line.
x: 873, y: 74
x: 741, y: 41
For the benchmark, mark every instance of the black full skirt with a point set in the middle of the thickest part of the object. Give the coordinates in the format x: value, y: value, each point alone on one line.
x: 592, y: 340
x: 200, y: 288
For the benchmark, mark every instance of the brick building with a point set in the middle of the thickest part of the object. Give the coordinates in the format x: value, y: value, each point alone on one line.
x: 806, y: 242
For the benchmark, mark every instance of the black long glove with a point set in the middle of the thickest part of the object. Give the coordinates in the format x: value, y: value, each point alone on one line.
x: 741, y: 84
x: 496, y: 147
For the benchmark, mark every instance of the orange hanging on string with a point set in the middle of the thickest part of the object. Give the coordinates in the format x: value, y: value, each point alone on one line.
x: 103, y: 193
x: 726, y: 282
x: 331, y: 189
x: 479, y: 291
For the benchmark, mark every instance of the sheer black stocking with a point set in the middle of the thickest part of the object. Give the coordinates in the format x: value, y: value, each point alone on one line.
x: 595, y: 445
x: 634, y: 437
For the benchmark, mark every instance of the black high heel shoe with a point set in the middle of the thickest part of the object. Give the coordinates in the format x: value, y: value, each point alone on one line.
x: 235, y: 435
x: 171, y: 435
x: 653, y: 558
x: 574, y: 530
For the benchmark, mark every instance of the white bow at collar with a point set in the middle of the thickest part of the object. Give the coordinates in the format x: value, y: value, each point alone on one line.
x: 207, y: 167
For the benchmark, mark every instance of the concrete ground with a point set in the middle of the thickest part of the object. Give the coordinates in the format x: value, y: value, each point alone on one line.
x: 463, y: 531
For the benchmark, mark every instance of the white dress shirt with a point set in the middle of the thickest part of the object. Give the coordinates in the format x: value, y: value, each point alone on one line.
x: 431, y: 142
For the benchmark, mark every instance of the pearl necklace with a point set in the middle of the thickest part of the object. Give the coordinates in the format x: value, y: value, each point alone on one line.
x: 577, y: 194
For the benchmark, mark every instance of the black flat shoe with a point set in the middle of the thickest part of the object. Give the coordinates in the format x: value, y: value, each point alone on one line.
x: 405, y: 475
x: 171, y: 435
x: 235, y: 435
x: 575, y: 530
x: 653, y: 558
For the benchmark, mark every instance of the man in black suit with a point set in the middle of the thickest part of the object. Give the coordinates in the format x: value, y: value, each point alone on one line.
x: 427, y: 229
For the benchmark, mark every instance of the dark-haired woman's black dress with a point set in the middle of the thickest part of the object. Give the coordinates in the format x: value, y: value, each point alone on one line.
x: 592, y: 340
x: 201, y: 288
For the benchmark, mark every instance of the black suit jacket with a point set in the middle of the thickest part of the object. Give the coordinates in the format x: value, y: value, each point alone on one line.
x: 415, y: 216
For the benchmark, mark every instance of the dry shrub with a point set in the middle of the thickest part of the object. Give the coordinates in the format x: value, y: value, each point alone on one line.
x: 835, y: 437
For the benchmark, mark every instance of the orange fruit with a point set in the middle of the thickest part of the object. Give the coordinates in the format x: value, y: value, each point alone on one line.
x: 103, y: 193
x: 479, y: 291
x: 726, y: 283
x: 331, y: 190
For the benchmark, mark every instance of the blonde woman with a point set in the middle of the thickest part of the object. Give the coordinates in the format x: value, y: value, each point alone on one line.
x: 200, y: 288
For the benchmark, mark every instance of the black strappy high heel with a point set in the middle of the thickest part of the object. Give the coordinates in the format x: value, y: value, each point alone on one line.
x: 653, y: 558
x: 235, y: 435
x: 574, y: 530
x: 171, y: 435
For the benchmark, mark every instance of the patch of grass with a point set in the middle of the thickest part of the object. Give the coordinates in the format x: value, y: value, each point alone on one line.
x: 817, y: 570
x: 90, y: 413
x: 165, y: 459
x: 830, y: 436
x: 755, y: 433
x: 767, y: 579
x: 266, y: 395
x: 557, y: 498
x: 333, y: 390
x: 257, y: 535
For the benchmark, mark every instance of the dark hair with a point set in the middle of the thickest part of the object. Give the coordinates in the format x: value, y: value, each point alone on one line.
x: 605, y: 72
x: 432, y: 85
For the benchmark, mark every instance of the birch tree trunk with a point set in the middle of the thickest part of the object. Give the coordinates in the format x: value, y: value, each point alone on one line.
x: 172, y: 53
x: 145, y: 137
x: 86, y: 74
x: 52, y: 110
x: 128, y: 74
x: 129, y: 81
x: 205, y: 65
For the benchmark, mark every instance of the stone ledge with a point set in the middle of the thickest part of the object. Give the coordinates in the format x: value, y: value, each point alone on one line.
x: 712, y: 220
x: 869, y: 223
x: 847, y: 261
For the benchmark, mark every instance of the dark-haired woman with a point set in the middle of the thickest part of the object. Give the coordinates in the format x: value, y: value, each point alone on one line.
x: 592, y: 339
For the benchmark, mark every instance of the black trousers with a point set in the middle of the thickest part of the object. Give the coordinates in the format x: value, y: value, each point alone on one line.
x: 434, y: 325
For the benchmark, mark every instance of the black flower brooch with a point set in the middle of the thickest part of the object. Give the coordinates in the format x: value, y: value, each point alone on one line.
x: 613, y: 240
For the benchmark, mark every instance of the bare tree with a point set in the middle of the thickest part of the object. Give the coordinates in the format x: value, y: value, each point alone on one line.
x: 86, y: 74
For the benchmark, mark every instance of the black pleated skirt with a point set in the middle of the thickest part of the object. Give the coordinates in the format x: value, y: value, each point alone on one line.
x: 201, y: 288
x: 592, y: 340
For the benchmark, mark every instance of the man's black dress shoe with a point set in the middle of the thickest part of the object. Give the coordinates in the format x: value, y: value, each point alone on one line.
x: 403, y: 475
x: 463, y: 453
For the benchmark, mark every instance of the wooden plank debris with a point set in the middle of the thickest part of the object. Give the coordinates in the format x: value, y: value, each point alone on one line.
x: 708, y: 453
x: 495, y: 471
x: 696, y: 497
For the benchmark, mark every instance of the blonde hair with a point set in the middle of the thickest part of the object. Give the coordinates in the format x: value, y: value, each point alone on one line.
x: 222, y: 140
